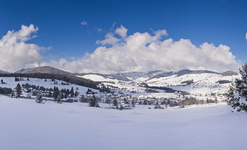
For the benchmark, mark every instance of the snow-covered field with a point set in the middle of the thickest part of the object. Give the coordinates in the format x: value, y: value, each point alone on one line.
x: 26, y: 125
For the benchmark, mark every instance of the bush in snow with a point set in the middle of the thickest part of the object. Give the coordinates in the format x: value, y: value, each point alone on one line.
x: 237, y: 95
x: 59, y: 99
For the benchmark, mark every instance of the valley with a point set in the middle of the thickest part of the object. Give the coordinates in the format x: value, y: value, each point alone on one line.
x: 157, y: 88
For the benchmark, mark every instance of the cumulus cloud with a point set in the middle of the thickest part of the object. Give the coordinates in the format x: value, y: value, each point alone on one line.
x: 147, y: 52
x: 16, y: 53
x: 84, y: 23
x: 122, y: 31
x: 109, y: 39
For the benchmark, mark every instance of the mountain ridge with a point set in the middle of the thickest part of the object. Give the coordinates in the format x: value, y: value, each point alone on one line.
x: 3, y: 72
x: 126, y: 76
x: 43, y: 69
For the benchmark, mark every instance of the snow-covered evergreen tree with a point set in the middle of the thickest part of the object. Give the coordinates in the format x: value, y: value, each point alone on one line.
x: 39, y: 98
x: 115, y: 103
x: 18, y: 90
x: 93, y: 102
x: 230, y: 94
x: 237, y: 95
x: 72, y: 94
x: 56, y: 93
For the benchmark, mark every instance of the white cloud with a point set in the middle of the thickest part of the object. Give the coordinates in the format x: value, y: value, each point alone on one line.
x: 122, y: 31
x: 16, y: 53
x: 84, y: 23
x: 160, y: 33
x: 109, y: 39
x: 147, y: 52
x: 99, y: 29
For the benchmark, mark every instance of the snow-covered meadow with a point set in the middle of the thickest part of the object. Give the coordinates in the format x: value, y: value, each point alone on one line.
x: 26, y: 125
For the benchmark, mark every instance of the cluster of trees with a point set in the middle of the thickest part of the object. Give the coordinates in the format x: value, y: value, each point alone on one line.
x: 193, y: 101
x: 164, y: 101
x: 20, y: 79
x: 104, y: 89
x: 5, y: 91
x: 66, y: 93
x: 42, y: 91
x: 169, y: 90
x: 93, y: 102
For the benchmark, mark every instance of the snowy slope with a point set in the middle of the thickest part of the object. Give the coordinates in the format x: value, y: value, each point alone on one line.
x: 203, y: 78
x: 203, y: 83
x: 98, y: 78
x: 26, y: 125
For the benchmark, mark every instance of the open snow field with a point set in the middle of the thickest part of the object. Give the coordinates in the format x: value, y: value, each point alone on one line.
x: 26, y: 125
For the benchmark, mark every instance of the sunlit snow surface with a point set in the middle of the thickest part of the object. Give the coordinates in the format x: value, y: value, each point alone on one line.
x: 26, y: 125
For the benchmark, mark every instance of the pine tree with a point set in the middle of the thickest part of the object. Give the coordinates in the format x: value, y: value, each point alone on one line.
x: 76, y: 93
x: 56, y: 93
x: 18, y: 90
x: 67, y: 93
x: 115, y: 103
x: 72, y: 94
x: 237, y: 95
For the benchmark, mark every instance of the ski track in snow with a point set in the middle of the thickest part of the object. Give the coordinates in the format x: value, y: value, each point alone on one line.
x: 26, y: 125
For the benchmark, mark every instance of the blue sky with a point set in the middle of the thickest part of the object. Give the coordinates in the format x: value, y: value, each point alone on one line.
x: 59, y: 22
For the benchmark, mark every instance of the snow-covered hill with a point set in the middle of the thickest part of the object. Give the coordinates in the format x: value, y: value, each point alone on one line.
x: 9, y: 82
x: 197, y: 83
x: 44, y: 70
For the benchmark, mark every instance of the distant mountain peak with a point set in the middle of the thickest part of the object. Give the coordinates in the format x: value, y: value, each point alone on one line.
x: 3, y: 72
